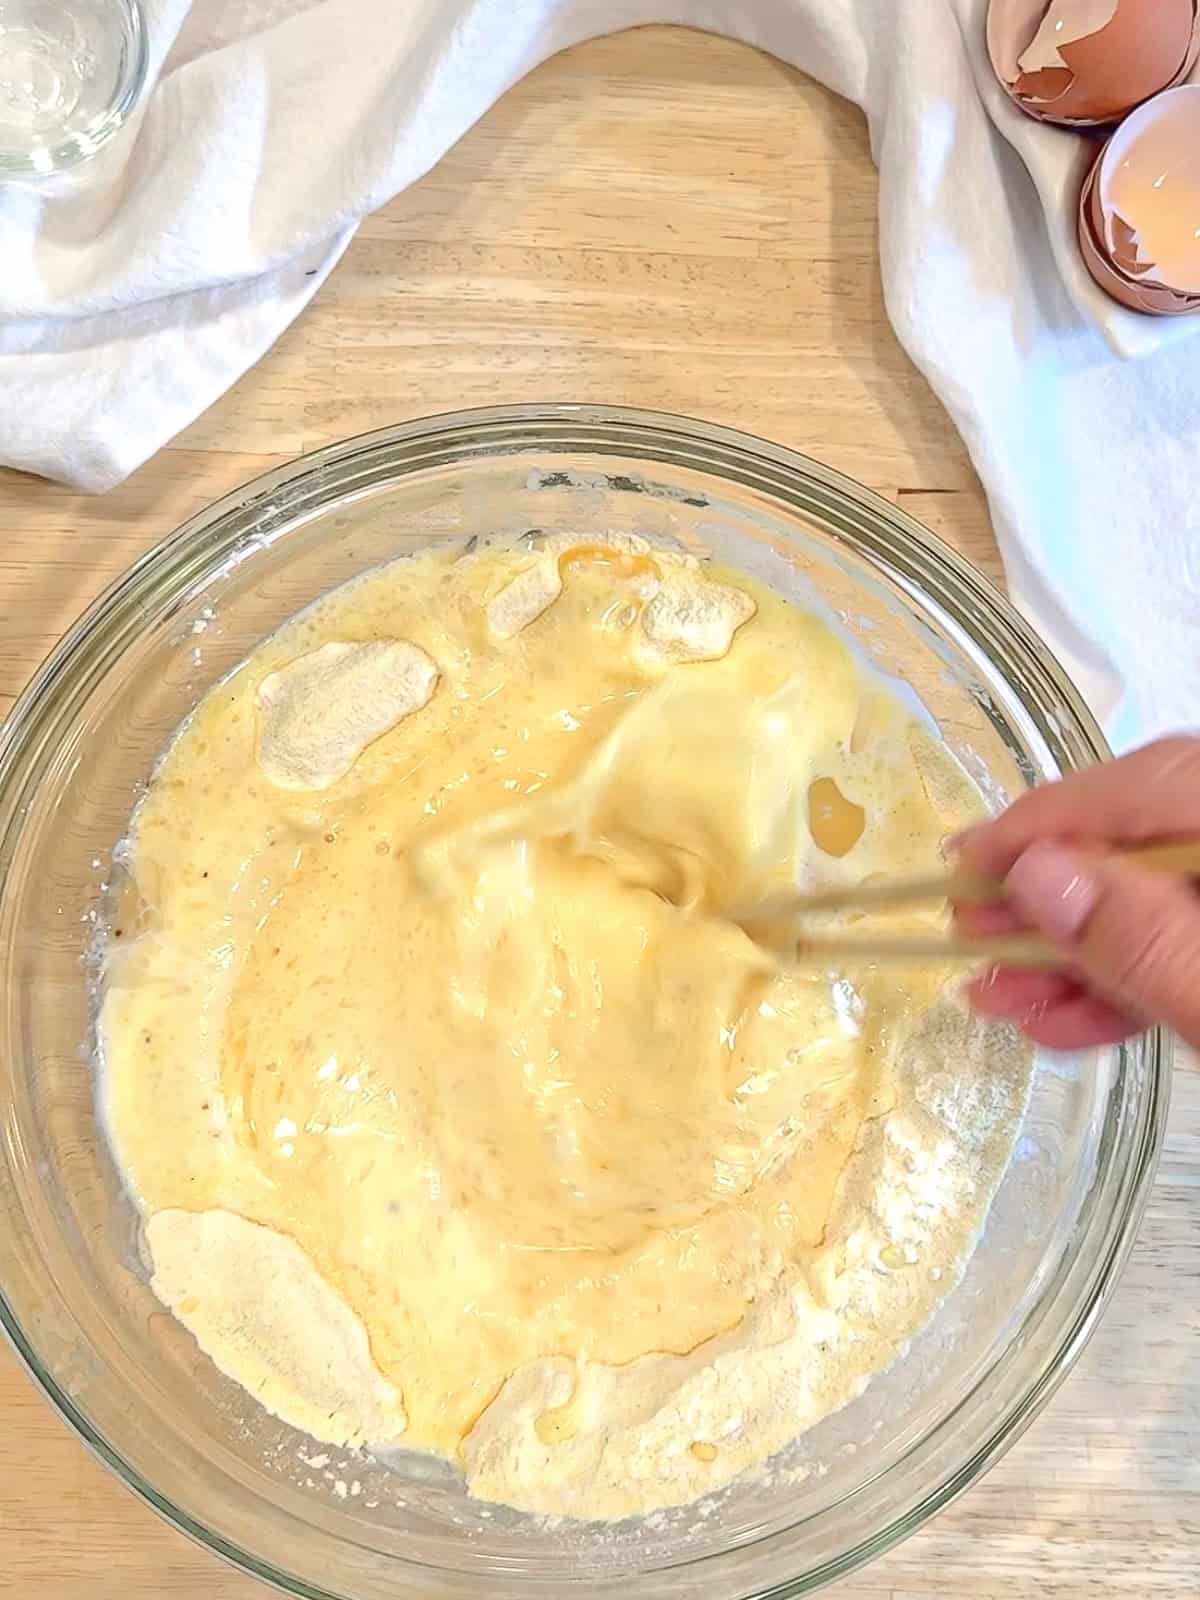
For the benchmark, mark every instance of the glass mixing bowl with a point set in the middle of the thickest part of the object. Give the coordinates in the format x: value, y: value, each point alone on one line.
x: 74, y: 756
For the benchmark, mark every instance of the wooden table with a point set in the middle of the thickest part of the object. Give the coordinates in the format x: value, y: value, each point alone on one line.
x: 670, y: 220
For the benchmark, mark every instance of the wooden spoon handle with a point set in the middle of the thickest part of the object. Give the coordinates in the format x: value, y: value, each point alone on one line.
x: 964, y: 888
x: 1182, y: 859
x: 1014, y: 950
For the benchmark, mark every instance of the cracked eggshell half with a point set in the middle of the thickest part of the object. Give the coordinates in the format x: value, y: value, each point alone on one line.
x: 1114, y: 283
x: 1085, y: 63
x: 1139, y: 212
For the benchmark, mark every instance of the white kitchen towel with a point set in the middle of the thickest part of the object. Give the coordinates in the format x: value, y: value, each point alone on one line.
x: 133, y: 294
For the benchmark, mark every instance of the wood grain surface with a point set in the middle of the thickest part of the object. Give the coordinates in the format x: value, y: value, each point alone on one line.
x: 669, y: 220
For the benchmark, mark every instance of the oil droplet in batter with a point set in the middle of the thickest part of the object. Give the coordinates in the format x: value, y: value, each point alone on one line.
x: 893, y: 1256
x: 836, y: 823
x: 702, y: 1450
x: 556, y: 1426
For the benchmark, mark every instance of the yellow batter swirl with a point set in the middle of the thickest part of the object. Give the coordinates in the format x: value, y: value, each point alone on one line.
x: 429, y: 1052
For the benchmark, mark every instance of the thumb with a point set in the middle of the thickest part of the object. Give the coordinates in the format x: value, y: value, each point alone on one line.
x: 1133, y: 931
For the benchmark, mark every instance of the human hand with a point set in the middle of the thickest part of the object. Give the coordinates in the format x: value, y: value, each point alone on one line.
x: 1130, y: 936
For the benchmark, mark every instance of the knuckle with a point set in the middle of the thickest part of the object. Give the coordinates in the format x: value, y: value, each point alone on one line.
x: 1141, y: 959
x: 1175, y: 757
x: 1030, y: 817
x: 1152, y: 961
x: 1020, y: 820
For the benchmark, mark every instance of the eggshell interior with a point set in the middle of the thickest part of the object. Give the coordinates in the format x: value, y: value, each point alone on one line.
x: 1065, y: 21
x: 1139, y: 293
x: 1147, y: 190
x: 1084, y: 63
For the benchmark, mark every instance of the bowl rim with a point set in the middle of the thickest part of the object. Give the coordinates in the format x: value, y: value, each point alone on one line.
x: 297, y: 491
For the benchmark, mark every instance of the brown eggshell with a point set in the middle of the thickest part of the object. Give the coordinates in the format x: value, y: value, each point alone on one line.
x: 1146, y: 200
x: 1096, y: 261
x: 1122, y: 250
x: 1145, y: 46
x: 1121, y: 258
x: 1143, y: 295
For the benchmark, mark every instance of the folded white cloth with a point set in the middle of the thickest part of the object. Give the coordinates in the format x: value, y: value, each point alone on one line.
x: 133, y: 294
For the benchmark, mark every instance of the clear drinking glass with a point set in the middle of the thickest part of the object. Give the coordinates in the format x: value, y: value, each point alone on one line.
x: 74, y: 755
x: 70, y: 73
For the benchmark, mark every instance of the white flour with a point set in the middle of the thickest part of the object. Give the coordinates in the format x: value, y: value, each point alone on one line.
x: 321, y: 711
x: 665, y: 1430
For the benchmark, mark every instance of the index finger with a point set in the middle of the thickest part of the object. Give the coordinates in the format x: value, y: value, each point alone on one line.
x: 1153, y: 793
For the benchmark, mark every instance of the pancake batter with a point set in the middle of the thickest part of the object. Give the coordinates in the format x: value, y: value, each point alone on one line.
x: 461, y: 1115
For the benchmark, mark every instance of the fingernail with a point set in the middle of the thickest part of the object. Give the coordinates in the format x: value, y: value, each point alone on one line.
x: 986, y: 980
x: 1054, y: 889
